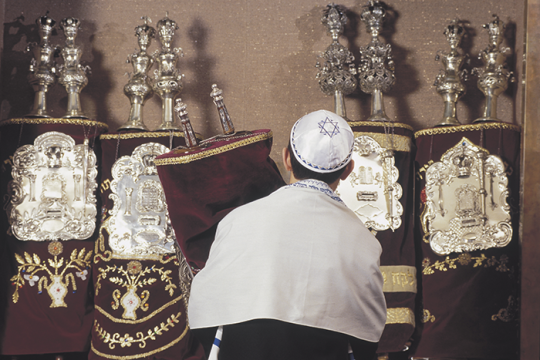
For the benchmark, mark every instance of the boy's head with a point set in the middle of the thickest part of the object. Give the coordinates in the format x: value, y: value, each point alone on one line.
x: 320, y: 146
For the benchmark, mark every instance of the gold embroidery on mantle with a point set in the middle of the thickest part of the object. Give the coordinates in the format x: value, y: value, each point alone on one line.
x: 146, y: 318
x: 101, y: 253
x: 57, y: 289
x: 141, y: 355
x: 465, y: 259
x: 509, y: 313
x: 423, y: 169
x: 400, y: 316
x: 131, y: 280
x: 140, y: 338
x: 399, y: 278
x: 427, y: 316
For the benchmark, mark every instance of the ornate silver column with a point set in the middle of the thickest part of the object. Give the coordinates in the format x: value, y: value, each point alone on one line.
x: 72, y: 75
x: 42, y: 67
x: 449, y: 81
x: 168, y: 79
x: 139, y: 89
x: 376, y: 70
x: 334, y: 76
x: 494, y: 76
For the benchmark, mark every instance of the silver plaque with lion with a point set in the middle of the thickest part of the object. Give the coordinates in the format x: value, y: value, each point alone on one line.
x: 139, y: 226
x: 51, y: 196
x: 466, y: 201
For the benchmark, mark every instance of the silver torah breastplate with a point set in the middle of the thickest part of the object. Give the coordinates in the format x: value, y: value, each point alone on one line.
x: 51, y: 196
x: 372, y: 190
x: 466, y: 201
x: 139, y: 226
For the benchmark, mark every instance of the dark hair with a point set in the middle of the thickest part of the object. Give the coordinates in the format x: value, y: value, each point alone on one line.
x: 301, y: 172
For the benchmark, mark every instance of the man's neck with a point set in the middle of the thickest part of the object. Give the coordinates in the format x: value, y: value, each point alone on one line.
x: 332, y: 186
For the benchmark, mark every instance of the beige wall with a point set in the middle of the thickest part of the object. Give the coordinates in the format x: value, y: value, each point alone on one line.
x: 262, y: 54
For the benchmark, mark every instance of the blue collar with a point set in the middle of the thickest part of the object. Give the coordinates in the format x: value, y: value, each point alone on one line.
x: 316, y: 185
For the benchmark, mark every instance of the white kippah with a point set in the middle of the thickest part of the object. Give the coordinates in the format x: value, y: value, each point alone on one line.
x: 322, y: 141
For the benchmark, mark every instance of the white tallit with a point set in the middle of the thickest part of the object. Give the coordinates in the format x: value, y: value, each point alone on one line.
x: 298, y: 255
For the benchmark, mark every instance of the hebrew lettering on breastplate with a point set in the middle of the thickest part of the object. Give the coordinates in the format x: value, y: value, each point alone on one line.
x: 51, y: 196
x: 139, y: 225
x: 372, y: 190
x: 466, y: 207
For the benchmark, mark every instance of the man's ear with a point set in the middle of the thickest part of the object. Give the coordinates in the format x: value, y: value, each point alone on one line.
x: 348, y: 169
x: 286, y: 159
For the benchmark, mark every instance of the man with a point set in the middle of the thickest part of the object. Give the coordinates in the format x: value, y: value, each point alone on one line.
x: 295, y: 275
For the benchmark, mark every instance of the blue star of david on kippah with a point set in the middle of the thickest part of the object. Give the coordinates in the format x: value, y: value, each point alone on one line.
x: 329, y: 127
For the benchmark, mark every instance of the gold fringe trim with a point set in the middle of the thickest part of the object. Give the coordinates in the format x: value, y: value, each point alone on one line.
x: 145, y: 134
x: 138, y: 356
x: 123, y: 321
x: 400, y: 142
x: 207, y: 153
x: 54, y: 121
x: 468, y: 127
x: 400, y: 316
x: 381, y: 123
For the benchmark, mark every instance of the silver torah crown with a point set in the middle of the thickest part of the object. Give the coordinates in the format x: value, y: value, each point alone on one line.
x: 449, y: 82
x: 167, y: 78
x: 493, y: 78
x: 336, y: 68
x: 42, y: 66
x: 72, y: 75
x: 139, y: 88
x: 376, y: 70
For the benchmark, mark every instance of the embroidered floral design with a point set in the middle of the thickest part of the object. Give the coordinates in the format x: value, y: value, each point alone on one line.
x: 465, y: 259
x: 55, y: 248
x: 57, y: 289
x: 427, y: 317
x: 509, y: 313
x: 132, y: 278
x: 127, y: 340
x: 134, y: 267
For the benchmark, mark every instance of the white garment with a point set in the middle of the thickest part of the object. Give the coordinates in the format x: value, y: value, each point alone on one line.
x: 298, y: 255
